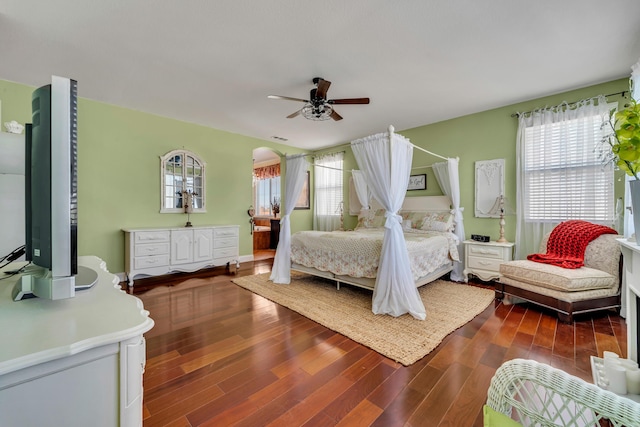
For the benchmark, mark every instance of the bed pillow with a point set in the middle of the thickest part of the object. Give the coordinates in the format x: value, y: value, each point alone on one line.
x: 416, y: 218
x: 371, y: 219
x: 438, y: 221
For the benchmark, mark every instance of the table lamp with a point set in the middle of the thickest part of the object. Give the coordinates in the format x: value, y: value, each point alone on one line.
x: 500, y: 208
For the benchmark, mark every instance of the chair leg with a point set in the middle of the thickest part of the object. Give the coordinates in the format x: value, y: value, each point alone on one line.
x: 565, y: 318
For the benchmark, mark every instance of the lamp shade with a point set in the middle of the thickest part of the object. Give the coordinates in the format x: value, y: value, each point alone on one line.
x: 501, y: 207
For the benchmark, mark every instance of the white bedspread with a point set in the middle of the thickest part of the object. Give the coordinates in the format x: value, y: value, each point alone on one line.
x: 356, y: 253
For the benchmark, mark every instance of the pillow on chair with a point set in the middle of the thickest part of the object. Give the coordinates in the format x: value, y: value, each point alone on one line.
x: 493, y: 418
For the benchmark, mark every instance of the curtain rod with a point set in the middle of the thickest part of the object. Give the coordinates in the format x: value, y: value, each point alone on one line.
x: 572, y: 103
x: 329, y: 167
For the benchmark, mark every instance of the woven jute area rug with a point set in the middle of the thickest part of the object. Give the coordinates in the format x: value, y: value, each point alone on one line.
x: 403, y: 339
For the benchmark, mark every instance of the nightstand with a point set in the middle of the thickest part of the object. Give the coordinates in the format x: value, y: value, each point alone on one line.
x: 483, y: 259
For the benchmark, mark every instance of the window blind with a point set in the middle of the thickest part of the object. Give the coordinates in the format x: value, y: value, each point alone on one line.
x: 564, y: 178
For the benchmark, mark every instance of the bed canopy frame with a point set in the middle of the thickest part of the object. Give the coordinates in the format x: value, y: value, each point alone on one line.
x: 385, y: 161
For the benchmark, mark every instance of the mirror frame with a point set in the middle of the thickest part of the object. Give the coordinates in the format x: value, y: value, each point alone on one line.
x: 164, y: 160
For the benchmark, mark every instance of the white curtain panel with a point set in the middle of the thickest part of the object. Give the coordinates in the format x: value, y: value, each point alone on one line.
x: 447, y: 176
x: 529, y: 234
x: 296, y: 173
x: 362, y: 189
x: 385, y: 161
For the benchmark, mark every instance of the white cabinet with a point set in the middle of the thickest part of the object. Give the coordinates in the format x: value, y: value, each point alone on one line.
x: 156, y: 251
x: 192, y: 245
x: 483, y: 259
x: 73, y: 362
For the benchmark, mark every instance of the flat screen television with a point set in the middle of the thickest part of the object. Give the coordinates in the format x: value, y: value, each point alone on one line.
x: 51, y: 195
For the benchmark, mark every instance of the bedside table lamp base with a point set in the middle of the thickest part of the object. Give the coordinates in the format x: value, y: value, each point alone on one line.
x: 501, y: 207
x: 501, y: 239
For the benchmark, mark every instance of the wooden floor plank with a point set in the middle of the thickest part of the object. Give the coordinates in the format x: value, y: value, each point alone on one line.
x: 466, y: 406
x: 220, y: 355
x: 433, y: 409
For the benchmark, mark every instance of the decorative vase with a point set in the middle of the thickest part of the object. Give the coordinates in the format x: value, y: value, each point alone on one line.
x: 634, y: 188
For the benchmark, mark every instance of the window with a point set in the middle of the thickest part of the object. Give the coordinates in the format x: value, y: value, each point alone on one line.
x: 266, y: 186
x: 328, y: 191
x: 564, y: 177
x: 182, y: 173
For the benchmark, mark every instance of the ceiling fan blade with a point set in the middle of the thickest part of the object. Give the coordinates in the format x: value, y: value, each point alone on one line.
x: 335, y: 116
x: 292, y: 115
x: 288, y: 98
x: 323, y: 87
x: 349, y: 101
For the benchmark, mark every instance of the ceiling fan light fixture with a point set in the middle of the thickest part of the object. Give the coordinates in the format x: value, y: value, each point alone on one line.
x: 317, y: 113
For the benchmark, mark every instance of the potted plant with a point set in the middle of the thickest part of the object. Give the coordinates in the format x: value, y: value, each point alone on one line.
x: 275, y: 206
x: 623, y: 140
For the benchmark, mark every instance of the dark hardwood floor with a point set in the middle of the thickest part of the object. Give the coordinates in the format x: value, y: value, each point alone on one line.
x: 220, y: 356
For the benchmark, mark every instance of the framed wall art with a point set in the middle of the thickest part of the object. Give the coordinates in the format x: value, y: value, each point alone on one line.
x: 417, y: 182
x: 489, y: 186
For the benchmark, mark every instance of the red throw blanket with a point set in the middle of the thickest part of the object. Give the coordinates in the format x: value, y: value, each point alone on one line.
x: 568, y: 241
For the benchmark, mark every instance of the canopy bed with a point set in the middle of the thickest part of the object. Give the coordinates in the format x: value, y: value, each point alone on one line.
x: 353, y: 257
x: 385, y: 164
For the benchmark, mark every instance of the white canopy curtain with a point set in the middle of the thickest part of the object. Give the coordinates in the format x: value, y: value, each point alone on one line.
x: 565, y: 138
x: 447, y: 176
x: 362, y: 189
x: 385, y: 160
x: 296, y: 168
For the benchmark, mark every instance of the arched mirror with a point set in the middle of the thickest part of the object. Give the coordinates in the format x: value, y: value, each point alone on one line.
x: 182, y: 174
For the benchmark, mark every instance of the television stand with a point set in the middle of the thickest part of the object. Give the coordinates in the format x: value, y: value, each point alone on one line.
x: 44, y: 286
x: 86, y: 278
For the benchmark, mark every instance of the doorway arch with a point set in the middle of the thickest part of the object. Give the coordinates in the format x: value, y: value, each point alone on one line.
x: 266, y: 196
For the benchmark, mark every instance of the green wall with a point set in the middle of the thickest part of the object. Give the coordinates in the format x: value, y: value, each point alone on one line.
x: 120, y: 149
x: 119, y: 172
x: 482, y: 136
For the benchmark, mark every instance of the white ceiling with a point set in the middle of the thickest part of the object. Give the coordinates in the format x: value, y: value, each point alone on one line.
x: 420, y: 61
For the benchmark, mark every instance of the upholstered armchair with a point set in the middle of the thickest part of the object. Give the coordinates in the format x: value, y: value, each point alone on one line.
x: 594, y: 286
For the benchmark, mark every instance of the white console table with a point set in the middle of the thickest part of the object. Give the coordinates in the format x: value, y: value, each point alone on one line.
x: 72, y: 362
x: 630, y: 292
x: 157, y: 251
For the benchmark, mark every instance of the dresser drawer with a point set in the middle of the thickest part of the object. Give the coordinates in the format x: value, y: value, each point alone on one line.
x: 141, y: 263
x: 225, y: 232
x: 151, y: 249
x: 496, y: 252
x: 225, y: 242
x: 225, y: 252
x: 483, y: 263
x: 151, y: 236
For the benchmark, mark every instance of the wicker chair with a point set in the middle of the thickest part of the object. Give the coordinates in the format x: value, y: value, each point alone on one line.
x: 535, y: 394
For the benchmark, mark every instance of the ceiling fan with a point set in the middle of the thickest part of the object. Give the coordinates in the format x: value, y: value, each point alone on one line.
x: 318, y: 107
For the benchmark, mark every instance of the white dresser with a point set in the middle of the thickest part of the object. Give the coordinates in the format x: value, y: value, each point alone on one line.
x: 157, y: 251
x: 483, y: 259
x: 74, y: 362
